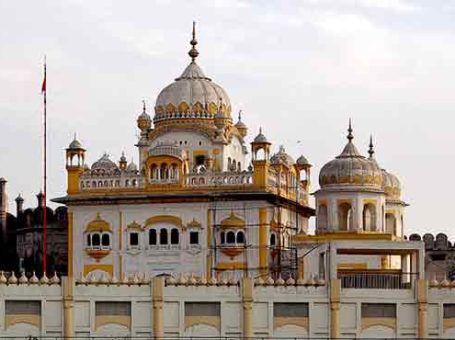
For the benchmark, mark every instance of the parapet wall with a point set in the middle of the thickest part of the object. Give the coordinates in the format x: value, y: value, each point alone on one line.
x: 191, y: 306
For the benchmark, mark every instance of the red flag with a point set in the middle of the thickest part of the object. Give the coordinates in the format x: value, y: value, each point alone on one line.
x: 43, y: 87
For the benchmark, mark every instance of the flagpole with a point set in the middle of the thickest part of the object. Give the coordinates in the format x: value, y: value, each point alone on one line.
x: 45, y: 172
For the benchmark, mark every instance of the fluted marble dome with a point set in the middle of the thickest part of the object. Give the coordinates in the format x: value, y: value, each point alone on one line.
x: 193, y: 95
x: 391, y: 185
x: 350, y: 168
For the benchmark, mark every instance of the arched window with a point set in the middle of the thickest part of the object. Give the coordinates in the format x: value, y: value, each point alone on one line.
x: 153, y: 172
x: 272, y: 240
x: 239, y: 167
x: 105, y: 240
x: 163, y: 171
x: 344, y: 217
x: 240, y: 237
x: 222, y: 237
x: 391, y: 223
x: 152, y: 237
x: 322, y: 216
x: 163, y: 236
x: 229, y: 164
x: 260, y: 154
x: 369, y: 217
x: 96, y: 240
x: 89, y: 240
x: 174, y: 236
x: 230, y: 237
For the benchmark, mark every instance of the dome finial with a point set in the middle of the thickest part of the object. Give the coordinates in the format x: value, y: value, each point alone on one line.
x: 240, y: 115
x: 193, y: 53
x: 144, y: 109
x: 350, y: 135
x: 371, y: 147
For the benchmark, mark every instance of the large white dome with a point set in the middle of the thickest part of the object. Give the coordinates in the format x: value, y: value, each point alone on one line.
x: 192, y: 95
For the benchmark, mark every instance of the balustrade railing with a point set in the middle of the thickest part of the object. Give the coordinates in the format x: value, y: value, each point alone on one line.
x: 219, y: 179
x: 376, y: 279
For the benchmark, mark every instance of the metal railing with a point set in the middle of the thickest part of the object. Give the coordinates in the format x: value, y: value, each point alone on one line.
x: 376, y: 279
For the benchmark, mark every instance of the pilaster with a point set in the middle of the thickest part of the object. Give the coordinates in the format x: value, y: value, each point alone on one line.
x: 247, y: 300
x: 157, y: 300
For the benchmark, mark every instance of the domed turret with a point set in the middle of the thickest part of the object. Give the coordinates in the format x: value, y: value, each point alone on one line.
x: 241, y: 126
x: 282, y: 157
x: 193, y: 95
x: 122, y: 162
x: 260, y: 138
x: 104, y: 163
x: 350, y: 168
x: 132, y: 167
x: 391, y: 185
x: 75, y: 145
x: 302, y: 162
x: 144, y: 122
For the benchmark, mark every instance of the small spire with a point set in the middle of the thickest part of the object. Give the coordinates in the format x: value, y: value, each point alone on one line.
x: 240, y: 115
x: 193, y: 53
x: 350, y: 135
x: 260, y: 130
x: 75, y: 136
x: 144, y: 108
x: 371, y: 148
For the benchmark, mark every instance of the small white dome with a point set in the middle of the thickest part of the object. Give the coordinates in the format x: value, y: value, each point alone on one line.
x: 75, y: 145
x: 104, y: 163
x: 132, y: 167
x: 352, y: 169
x: 281, y: 157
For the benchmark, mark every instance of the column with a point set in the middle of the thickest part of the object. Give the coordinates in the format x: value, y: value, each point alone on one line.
x: 247, y: 300
x: 263, y: 243
x: 335, y: 290
x: 332, y: 215
x: 209, y: 244
x: 68, y: 307
x: 157, y: 301
x: 422, y: 289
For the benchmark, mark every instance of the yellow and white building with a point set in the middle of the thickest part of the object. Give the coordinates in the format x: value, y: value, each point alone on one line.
x: 230, y: 233
x: 194, y: 202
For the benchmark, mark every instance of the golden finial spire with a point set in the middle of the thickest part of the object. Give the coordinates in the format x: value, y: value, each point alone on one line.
x: 371, y: 147
x: 350, y: 135
x: 193, y: 53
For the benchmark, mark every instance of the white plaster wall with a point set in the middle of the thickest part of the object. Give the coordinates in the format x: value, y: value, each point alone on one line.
x: 290, y: 332
x: 378, y: 332
x: 234, y: 150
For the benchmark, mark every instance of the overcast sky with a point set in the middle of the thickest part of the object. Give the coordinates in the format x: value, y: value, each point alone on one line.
x: 298, y: 68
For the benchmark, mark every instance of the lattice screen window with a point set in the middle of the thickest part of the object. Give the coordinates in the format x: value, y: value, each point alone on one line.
x: 16, y: 307
x: 449, y: 310
x: 379, y: 310
x: 202, y: 309
x: 112, y: 308
x: 290, y: 310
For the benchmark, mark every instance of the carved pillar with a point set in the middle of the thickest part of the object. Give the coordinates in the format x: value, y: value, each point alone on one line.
x: 157, y: 300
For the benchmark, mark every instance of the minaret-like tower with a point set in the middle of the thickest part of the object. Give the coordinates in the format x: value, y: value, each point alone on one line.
x: 260, y: 149
x: 75, y: 162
